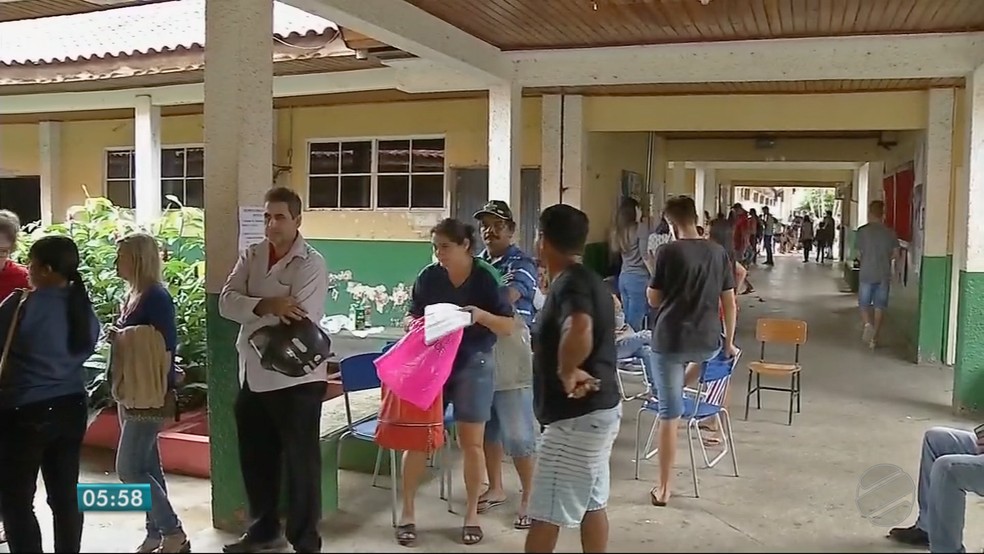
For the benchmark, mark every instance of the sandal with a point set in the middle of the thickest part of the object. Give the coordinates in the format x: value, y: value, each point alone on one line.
x: 406, y: 535
x: 522, y: 522
x: 655, y: 499
x: 471, y: 534
x: 488, y: 504
x: 711, y: 441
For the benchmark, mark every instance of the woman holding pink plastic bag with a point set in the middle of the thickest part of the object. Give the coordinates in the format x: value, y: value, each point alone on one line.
x: 459, y: 278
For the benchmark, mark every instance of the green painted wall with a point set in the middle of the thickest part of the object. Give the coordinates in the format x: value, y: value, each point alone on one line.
x: 596, y: 257
x: 372, y: 262
x: 228, y: 495
x: 968, y: 375
x: 934, y: 307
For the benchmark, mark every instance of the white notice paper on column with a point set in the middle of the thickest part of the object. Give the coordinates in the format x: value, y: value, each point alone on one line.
x: 250, y: 226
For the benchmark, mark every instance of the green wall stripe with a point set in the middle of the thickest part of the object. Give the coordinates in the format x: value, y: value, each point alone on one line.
x: 934, y: 308
x: 968, y: 374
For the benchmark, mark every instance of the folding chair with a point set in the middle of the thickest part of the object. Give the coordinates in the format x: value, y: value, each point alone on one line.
x: 358, y: 373
x: 705, y: 402
x: 777, y: 331
x: 631, y: 368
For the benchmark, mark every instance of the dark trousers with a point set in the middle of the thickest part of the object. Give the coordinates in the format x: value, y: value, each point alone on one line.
x: 43, y: 437
x: 807, y: 248
x: 281, y: 429
x: 769, y: 242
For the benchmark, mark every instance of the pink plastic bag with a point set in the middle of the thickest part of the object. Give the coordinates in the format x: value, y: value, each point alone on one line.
x: 416, y: 372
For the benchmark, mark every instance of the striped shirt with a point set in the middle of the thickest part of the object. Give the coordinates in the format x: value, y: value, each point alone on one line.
x: 518, y: 272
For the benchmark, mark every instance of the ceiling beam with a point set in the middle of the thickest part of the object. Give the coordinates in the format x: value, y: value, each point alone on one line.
x: 407, y: 27
x: 710, y: 164
x: 806, y: 59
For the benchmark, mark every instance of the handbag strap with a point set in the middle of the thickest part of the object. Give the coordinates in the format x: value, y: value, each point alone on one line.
x: 11, y: 329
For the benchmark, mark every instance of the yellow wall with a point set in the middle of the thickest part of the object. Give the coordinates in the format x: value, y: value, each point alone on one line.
x: 785, y: 150
x: 19, y: 153
x: 759, y: 112
x: 607, y: 155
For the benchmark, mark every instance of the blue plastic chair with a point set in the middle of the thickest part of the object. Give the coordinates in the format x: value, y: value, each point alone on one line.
x: 701, y: 404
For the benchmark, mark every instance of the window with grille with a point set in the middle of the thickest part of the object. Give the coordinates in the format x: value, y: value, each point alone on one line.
x: 182, y: 176
x: 401, y: 173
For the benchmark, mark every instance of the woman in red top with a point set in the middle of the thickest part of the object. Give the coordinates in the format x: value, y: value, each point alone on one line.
x: 13, y: 276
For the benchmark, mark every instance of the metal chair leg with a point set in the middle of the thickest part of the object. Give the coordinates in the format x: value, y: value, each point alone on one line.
x: 638, y: 429
x: 693, y: 457
x: 730, y: 437
x: 758, y: 391
x: 748, y: 394
x: 375, y: 469
x: 394, y: 486
x: 799, y: 390
x: 792, y: 396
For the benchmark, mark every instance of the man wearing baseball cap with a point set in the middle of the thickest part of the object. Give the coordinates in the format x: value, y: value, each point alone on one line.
x: 513, y: 428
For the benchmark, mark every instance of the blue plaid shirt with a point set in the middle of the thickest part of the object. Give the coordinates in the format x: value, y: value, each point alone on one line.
x: 519, y: 272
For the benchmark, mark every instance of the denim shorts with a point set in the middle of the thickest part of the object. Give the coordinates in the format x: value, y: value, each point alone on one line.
x: 873, y: 295
x: 470, y: 389
x: 513, y: 424
x: 669, y: 369
x: 573, y: 468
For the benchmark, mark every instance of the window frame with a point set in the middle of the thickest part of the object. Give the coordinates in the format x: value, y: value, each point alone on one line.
x: 374, y: 173
x: 132, y: 149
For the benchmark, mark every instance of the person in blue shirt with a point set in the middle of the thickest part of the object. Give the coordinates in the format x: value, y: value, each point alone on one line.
x: 138, y: 263
x: 512, y: 430
x: 461, y: 279
x: 49, y: 333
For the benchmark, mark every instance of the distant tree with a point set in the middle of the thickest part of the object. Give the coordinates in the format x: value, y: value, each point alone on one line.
x: 817, y: 202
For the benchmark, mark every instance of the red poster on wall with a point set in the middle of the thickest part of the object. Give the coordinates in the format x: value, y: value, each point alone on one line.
x: 889, y: 189
x: 905, y: 180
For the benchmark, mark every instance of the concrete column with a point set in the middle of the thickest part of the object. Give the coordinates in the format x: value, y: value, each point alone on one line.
x: 49, y: 142
x: 574, y: 148
x: 712, y: 196
x: 551, y: 149
x: 147, y: 153
x: 505, y: 145
x: 700, y: 191
x: 968, y: 387
x: 863, y: 181
x: 876, y: 176
x: 936, y: 174
x: 679, y: 179
x: 657, y: 177
x: 238, y: 153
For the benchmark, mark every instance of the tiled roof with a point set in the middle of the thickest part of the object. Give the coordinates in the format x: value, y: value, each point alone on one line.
x: 149, y: 29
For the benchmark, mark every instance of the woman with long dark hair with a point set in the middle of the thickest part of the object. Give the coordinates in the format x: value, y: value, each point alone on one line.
x: 630, y: 239
x: 461, y: 279
x: 50, y: 332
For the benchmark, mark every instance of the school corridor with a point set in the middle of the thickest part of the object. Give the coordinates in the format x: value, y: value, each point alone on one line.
x: 798, y: 486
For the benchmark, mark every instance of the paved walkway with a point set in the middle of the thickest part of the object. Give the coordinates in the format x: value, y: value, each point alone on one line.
x: 798, y: 485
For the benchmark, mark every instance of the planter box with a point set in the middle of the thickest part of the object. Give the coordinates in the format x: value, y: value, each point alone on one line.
x: 183, y: 444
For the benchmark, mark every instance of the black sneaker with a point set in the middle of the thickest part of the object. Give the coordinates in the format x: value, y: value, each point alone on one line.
x: 909, y: 535
x: 246, y: 544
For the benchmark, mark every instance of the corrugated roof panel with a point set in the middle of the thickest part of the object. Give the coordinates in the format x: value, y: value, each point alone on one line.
x: 131, y: 30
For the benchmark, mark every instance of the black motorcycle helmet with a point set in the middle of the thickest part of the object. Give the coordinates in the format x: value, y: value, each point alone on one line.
x: 294, y: 349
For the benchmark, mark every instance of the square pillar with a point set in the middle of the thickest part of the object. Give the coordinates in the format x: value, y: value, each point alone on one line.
x: 936, y: 176
x: 49, y: 143
x: 679, y: 179
x: 700, y: 191
x: 657, y: 175
x: 147, y: 154
x: 239, y: 128
x: 574, y: 149
x: 551, y: 144
x: 505, y: 145
x: 863, y: 181
x: 968, y: 387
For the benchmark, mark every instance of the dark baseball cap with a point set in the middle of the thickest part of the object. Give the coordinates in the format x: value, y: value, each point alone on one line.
x: 496, y: 208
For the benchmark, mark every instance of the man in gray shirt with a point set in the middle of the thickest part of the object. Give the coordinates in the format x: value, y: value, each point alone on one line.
x: 877, y: 247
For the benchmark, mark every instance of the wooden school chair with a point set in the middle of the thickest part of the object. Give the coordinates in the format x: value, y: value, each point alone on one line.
x: 790, y: 332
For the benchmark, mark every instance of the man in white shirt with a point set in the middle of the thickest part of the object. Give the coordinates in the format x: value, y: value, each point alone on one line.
x: 277, y: 416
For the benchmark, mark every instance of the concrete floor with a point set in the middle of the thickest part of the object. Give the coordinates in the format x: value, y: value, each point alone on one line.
x: 798, y: 485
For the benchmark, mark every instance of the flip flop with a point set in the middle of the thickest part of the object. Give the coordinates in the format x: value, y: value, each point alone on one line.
x: 488, y: 504
x: 522, y: 522
x: 655, y: 500
x: 406, y: 535
x: 711, y: 441
x: 471, y: 534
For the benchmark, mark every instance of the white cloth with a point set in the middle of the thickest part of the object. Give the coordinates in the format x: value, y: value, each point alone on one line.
x: 539, y: 299
x: 302, y: 274
x: 443, y: 319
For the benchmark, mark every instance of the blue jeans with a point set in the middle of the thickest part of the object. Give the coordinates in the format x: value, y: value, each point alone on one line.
x: 471, y: 389
x: 513, y: 423
x: 632, y: 292
x: 949, y: 469
x: 873, y: 295
x: 668, y: 376
x: 636, y: 346
x: 138, y: 460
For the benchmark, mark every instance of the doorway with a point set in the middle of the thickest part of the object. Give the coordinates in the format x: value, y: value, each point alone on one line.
x: 471, y: 192
x: 22, y: 195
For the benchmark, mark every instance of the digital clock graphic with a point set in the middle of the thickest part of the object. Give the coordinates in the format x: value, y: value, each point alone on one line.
x: 114, y: 497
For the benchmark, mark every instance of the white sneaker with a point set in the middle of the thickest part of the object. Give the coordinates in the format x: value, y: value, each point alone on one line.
x: 868, y: 335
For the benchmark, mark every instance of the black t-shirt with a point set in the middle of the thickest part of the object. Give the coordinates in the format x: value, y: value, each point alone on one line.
x: 691, y: 274
x: 481, y: 289
x: 576, y: 290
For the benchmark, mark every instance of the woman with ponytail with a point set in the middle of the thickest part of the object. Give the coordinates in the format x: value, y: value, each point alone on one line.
x: 48, y: 335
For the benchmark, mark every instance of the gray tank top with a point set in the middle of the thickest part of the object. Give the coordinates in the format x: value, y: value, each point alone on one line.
x: 632, y: 253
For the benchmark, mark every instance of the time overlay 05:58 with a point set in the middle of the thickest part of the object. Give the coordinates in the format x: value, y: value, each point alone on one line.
x: 114, y: 497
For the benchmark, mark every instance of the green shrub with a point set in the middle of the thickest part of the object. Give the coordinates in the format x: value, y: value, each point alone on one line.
x: 95, y: 227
